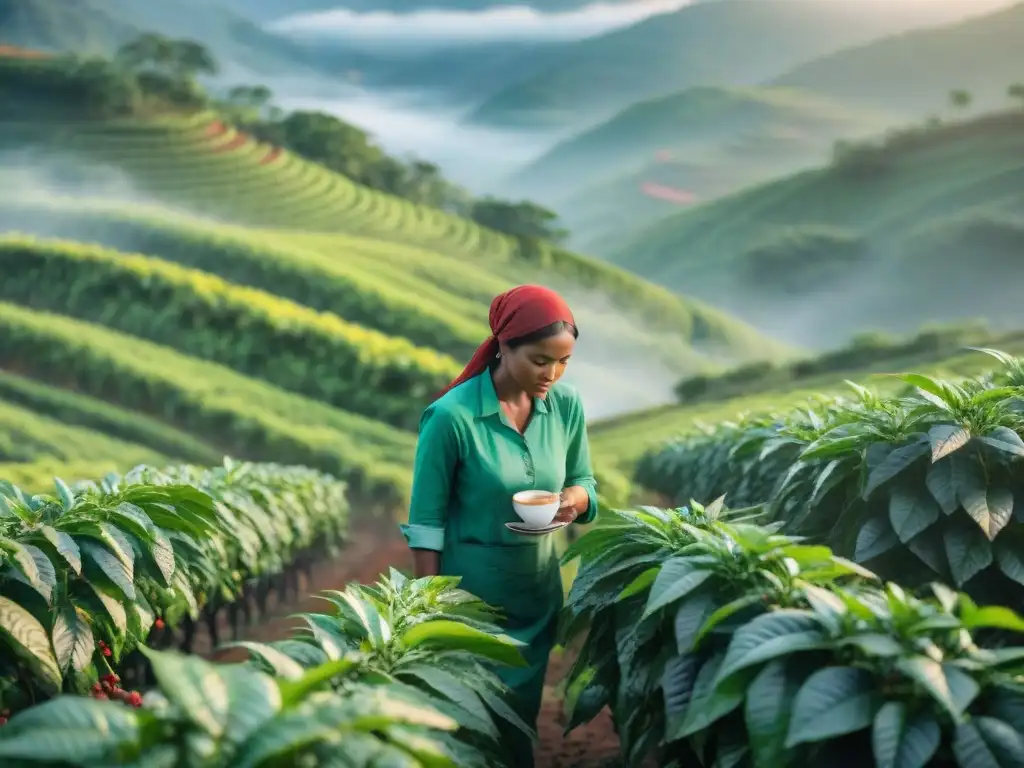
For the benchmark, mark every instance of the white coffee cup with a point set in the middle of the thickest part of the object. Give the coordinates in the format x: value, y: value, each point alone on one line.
x: 537, y: 509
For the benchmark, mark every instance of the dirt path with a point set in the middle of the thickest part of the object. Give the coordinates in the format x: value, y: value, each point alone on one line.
x: 369, y: 553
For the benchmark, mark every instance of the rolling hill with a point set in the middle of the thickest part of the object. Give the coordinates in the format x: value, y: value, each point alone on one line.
x: 704, y: 141
x: 923, y: 226
x: 186, y: 291
x: 916, y: 70
x: 728, y: 42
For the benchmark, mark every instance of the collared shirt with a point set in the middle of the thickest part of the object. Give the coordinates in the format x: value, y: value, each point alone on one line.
x: 470, y: 461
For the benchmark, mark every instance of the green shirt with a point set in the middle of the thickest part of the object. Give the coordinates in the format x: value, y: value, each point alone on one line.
x: 470, y: 461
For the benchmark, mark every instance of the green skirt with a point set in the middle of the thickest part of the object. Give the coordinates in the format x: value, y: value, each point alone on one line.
x: 524, y: 582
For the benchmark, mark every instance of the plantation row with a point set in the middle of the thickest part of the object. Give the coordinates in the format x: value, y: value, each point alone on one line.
x: 88, y: 571
x: 719, y: 642
x: 395, y: 676
x: 418, y: 294
x: 328, y: 283
x: 231, y: 413
x: 918, y: 487
x: 301, y: 350
x: 183, y: 162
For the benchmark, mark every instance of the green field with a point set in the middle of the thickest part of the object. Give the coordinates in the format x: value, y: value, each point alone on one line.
x: 222, y: 297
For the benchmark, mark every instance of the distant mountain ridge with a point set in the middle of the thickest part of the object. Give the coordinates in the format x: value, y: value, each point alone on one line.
x: 725, y: 42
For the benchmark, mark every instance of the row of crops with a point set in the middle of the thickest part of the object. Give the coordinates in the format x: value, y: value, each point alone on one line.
x: 812, y: 624
x: 235, y: 414
x: 98, y: 566
x: 255, y: 333
x: 97, y: 577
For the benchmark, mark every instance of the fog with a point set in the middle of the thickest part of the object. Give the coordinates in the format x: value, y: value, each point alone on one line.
x: 505, y: 23
x: 405, y: 123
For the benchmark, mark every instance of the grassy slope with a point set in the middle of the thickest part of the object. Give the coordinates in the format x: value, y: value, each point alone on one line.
x: 728, y: 42
x: 692, y: 120
x: 618, y: 443
x: 916, y: 70
x: 967, y: 170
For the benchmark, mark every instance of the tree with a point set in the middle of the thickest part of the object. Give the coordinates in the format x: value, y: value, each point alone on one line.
x: 178, y: 59
x: 960, y: 99
x: 523, y: 219
x: 1016, y: 92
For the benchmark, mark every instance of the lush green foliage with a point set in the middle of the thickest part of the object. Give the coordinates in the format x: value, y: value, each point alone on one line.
x: 399, y: 674
x: 298, y: 349
x: 415, y: 633
x: 920, y: 486
x: 719, y: 642
x: 236, y: 415
x: 101, y: 562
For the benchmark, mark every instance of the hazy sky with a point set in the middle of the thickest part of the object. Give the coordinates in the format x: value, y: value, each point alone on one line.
x: 510, y: 22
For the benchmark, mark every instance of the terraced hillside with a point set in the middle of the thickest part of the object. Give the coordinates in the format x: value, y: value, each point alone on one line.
x: 187, y: 292
x: 879, y: 237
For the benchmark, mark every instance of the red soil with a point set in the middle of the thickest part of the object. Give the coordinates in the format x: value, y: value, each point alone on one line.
x: 370, y: 551
x: 238, y: 140
x: 14, y: 52
x: 216, y: 128
x: 271, y: 156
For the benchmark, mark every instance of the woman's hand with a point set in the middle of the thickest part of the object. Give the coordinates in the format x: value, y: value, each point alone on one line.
x: 575, y: 501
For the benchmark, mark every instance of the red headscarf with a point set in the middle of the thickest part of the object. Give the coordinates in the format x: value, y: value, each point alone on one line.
x: 515, y: 313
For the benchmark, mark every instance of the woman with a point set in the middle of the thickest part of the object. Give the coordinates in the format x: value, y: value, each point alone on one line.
x: 505, y: 425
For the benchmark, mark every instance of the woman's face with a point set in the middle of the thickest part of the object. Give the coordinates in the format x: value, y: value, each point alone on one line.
x: 536, y: 367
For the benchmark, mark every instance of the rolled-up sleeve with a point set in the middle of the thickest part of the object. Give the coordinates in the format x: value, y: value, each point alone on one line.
x: 437, y: 454
x: 577, y: 461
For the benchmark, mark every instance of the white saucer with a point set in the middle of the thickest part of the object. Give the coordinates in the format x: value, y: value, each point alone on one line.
x: 521, y: 528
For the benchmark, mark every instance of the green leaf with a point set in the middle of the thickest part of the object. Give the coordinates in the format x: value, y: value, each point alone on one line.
x: 898, y: 743
x: 968, y: 552
x: 985, y: 742
x: 952, y: 688
x: 114, y: 568
x: 70, y: 730
x: 946, y: 439
x: 678, y: 577
x: 1006, y: 440
x: 283, y: 665
x: 253, y: 700
x: 941, y: 485
x: 28, y: 639
x: 691, y: 616
x: 993, y: 616
x: 1010, y: 563
x: 73, y: 641
x: 65, y: 546
x: 454, y: 636
x: 639, y: 584
x: 767, y: 712
x: 195, y: 686
x: 711, y: 701
x: 771, y: 635
x: 473, y: 712
x: 832, y: 702
x: 894, y: 464
x: 911, y: 511
x: 874, y: 644
x: 990, y: 508
x: 725, y: 612
x: 876, y: 538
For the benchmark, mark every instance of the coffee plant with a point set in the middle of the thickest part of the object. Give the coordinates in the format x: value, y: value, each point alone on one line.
x: 719, y: 642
